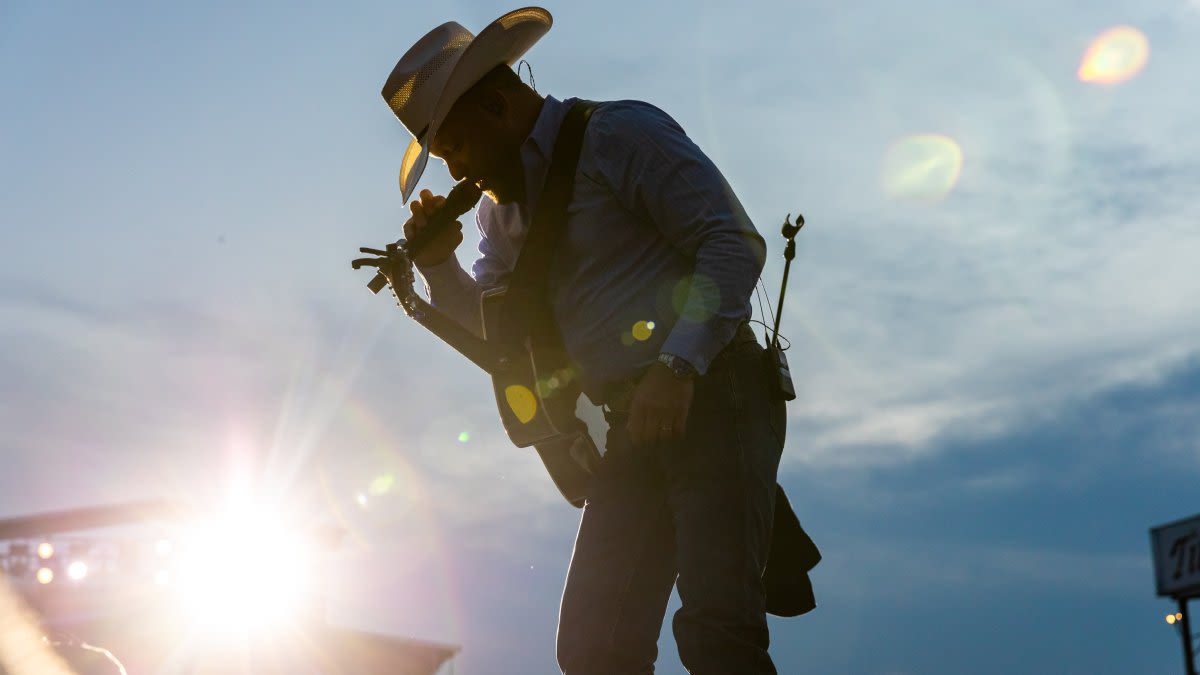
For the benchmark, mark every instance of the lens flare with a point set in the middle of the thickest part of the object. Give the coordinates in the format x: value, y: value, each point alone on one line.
x: 922, y: 167
x: 1115, y: 56
x: 381, y: 485
x: 696, y: 298
x: 642, y: 330
x: 45, y: 575
x: 45, y: 550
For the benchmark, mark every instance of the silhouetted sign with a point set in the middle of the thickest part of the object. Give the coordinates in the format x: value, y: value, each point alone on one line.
x: 1176, y: 548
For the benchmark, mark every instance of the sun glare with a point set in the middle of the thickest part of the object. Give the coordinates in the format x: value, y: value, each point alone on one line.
x: 247, y: 572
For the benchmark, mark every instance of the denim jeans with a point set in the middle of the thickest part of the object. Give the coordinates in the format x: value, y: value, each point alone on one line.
x: 696, y: 512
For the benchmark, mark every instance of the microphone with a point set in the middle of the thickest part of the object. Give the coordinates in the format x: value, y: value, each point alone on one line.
x: 461, y: 198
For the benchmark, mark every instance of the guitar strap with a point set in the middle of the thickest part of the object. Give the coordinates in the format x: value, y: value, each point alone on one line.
x: 527, y: 313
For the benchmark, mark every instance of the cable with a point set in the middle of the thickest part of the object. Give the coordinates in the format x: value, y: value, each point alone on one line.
x: 767, y: 328
x: 759, y: 288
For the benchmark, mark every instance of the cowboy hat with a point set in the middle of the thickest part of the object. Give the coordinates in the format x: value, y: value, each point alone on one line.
x: 443, y: 65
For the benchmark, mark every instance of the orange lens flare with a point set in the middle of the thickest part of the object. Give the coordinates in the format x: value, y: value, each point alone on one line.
x: 1115, y: 56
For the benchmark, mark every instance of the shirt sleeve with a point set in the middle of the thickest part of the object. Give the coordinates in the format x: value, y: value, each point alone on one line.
x: 660, y: 175
x: 456, y: 293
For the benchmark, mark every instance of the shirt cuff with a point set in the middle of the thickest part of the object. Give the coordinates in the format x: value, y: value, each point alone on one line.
x: 446, y: 274
x: 698, y: 343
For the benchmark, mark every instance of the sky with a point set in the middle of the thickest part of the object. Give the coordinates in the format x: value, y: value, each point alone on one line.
x: 991, y: 315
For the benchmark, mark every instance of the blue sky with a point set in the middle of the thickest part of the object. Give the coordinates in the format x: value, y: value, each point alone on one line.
x: 999, y: 388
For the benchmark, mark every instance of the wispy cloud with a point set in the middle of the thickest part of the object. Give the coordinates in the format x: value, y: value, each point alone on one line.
x: 1066, y: 247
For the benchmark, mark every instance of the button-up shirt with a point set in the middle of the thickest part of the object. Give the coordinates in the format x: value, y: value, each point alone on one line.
x: 658, y: 255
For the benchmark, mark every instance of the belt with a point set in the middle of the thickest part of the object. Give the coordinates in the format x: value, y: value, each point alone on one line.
x: 619, y: 395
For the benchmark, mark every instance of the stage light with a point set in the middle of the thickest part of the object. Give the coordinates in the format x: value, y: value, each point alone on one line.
x: 45, y: 575
x: 45, y: 550
x: 77, y: 570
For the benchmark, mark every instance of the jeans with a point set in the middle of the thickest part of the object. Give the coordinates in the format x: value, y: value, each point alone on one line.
x: 695, y: 512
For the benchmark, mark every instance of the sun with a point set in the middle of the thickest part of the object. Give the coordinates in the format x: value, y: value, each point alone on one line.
x: 248, y: 572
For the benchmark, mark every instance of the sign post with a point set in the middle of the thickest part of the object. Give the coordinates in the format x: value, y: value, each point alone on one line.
x: 1176, y: 549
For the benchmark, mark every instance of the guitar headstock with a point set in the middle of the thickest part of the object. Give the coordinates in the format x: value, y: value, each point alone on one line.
x: 395, y: 270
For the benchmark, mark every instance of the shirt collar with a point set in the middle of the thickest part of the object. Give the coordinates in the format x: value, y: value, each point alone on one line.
x: 545, y: 129
x: 538, y: 148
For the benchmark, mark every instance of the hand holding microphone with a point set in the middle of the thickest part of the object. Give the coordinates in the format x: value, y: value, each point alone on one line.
x: 430, y: 235
x: 433, y: 232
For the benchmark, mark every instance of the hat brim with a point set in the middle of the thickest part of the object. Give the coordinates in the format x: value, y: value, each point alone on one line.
x: 504, y: 40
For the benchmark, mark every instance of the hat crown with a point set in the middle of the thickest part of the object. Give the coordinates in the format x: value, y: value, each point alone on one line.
x: 440, y: 67
x: 412, y: 89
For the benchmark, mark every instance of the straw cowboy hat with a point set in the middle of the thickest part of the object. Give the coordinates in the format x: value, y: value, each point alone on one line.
x: 443, y: 65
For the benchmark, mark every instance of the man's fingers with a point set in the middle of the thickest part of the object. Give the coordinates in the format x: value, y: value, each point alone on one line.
x: 418, y: 215
x: 650, y: 426
x: 425, y: 205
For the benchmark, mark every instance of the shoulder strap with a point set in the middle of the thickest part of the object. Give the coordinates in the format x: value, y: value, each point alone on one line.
x: 526, y: 304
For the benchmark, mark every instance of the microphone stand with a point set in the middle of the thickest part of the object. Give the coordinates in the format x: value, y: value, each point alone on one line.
x: 781, y: 383
x: 789, y: 232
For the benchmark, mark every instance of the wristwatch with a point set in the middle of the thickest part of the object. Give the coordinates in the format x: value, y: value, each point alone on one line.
x: 678, y: 366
